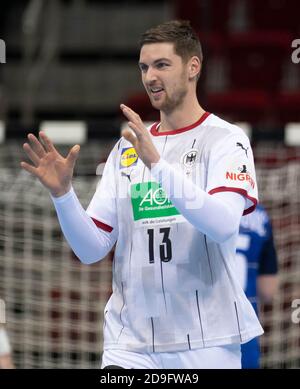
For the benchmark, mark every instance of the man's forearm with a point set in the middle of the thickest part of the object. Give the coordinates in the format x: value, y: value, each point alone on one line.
x: 217, y: 216
x: 89, y: 243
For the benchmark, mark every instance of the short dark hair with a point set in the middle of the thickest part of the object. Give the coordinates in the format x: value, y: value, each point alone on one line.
x: 180, y: 32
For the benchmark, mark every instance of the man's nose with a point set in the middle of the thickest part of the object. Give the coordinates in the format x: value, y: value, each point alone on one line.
x: 150, y: 75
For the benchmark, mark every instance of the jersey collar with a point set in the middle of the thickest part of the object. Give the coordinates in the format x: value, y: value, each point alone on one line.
x: 154, y: 128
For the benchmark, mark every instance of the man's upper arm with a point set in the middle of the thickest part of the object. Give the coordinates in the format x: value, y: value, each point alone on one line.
x: 231, y: 168
x: 103, y: 208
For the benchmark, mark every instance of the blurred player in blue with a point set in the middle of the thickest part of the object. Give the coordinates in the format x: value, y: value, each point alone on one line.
x: 257, y: 261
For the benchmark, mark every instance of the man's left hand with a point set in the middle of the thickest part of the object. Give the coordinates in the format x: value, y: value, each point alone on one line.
x: 139, y: 137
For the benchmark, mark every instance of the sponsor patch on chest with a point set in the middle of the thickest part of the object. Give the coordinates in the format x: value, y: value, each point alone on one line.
x: 129, y: 157
x: 151, y: 206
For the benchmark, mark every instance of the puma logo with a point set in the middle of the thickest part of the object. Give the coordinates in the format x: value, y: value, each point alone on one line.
x: 126, y: 175
x: 243, y: 148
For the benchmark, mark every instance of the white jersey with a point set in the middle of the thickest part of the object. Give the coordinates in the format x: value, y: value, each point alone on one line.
x: 174, y: 288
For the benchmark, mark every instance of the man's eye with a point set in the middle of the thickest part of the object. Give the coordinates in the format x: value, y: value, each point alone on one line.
x: 161, y: 65
x: 143, y: 68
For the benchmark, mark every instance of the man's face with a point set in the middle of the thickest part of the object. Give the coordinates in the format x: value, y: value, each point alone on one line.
x: 164, y: 76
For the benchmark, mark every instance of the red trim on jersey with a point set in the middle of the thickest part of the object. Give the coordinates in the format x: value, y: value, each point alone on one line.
x: 242, y: 192
x: 155, y: 132
x: 101, y: 225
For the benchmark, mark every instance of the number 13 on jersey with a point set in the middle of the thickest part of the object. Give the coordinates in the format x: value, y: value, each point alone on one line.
x: 165, y: 244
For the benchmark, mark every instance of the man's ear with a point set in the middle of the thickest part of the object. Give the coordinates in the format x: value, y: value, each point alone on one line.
x: 194, y: 67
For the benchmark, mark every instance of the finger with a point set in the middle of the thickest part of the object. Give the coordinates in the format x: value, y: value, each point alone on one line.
x: 47, y: 142
x: 36, y: 145
x: 130, y: 114
x: 129, y: 135
x: 29, y: 168
x: 125, y: 107
x: 138, y: 132
x: 31, y: 154
x: 135, y: 122
x: 73, y: 155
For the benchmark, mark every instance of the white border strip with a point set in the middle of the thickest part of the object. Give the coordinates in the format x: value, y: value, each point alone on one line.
x: 65, y: 132
x: 292, y: 134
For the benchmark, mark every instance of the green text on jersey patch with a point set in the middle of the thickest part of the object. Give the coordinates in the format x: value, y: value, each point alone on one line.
x: 149, y: 201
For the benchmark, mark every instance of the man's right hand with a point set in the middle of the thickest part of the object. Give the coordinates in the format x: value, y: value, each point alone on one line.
x: 53, y: 170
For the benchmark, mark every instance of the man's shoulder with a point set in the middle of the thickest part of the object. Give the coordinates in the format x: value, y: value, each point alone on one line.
x: 226, y: 127
x: 221, y: 132
x: 120, y: 146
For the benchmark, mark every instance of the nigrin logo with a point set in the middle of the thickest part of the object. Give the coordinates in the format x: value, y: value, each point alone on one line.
x: 240, y: 177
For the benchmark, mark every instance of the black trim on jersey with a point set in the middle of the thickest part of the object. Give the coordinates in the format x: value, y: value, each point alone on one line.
x: 193, y: 143
x: 152, y: 325
x: 163, y: 150
x: 208, y: 259
x: 121, y: 313
x: 130, y: 255
x: 105, y: 313
x: 238, y: 322
x: 114, y: 264
x: 188, y: 338
x: 119, y: 143
x: 235, y: 306
x: 198, y: 307
x: 162, y: 283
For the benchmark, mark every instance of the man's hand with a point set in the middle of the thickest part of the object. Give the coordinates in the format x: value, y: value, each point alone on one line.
x: 53, y: 170
x: 139, y: 137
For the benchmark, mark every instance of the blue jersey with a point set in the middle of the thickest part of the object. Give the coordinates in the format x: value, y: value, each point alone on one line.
x: 256, y: 256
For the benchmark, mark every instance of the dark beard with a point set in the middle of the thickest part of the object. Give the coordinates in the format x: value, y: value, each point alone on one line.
x: 170, y: 105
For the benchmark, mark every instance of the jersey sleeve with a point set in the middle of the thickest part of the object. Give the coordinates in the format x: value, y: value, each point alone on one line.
x: 231, y: 168
x: 268, y: 263
x: 103, y: 208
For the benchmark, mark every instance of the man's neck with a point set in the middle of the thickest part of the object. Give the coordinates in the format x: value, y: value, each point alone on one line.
x: 180, y: 118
